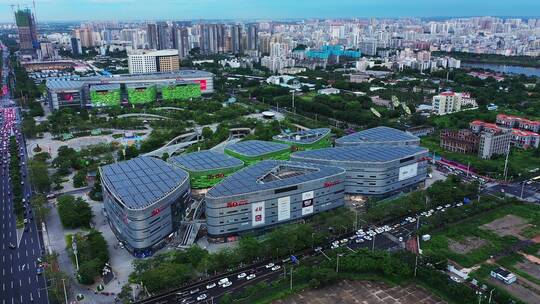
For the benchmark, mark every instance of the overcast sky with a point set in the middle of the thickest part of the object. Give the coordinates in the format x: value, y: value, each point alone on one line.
x: 266, y: 9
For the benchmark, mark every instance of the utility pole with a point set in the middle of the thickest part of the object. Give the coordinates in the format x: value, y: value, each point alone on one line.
x: 65, y: 292
x: 479, y: 185
x: 291, y: 277
x: 415, y: 265
x: 506, y: 163
x: 522, y: 188
x: 294, y: 109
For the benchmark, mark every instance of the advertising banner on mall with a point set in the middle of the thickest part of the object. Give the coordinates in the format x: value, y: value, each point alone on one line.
x: 307, y: 202
x: 257, y: 213
x: 408, y: 171
x: 284, y: 208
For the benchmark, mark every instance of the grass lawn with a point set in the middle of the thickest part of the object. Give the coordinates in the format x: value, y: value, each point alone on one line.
x: 460, y: 232
x: 519, y: 162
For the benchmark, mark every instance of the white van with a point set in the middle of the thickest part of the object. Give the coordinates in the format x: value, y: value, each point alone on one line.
x: 223, y: 281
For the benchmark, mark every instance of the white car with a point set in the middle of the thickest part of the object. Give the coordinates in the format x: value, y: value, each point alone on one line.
x: 344, y: 241
x: 251, y: 276
x: 334, y: 246
x: 359, y: 240
x: 226, y: 284
x: 202, y: 297
x: 211, y: 285
x: 269, y: 265
x: 368, y: 238
x: 447, y: 206
x: 277, y: 267
x: 241, y: 275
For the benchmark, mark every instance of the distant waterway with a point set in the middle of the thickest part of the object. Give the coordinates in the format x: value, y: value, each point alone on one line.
x: 506, y: 69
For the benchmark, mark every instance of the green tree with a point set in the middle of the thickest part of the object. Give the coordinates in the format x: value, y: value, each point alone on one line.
x: 39, y: 175
x: 40, y: 206
x: 79, y: 179
x: 74, y: 212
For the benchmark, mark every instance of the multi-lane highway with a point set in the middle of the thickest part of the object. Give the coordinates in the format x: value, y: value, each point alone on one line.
x: 21, y: 278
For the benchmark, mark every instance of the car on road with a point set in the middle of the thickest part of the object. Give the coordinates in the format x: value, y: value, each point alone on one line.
x: 211, y: 285
x: 223, y: 281
x: 251, y: 276
x: 241, y: 275
x: 194, y: 291
x: 455, y: 279
x: 277, y: 267
x: 344, y: 241
x: 269, y: 265
x: 359, y: 240
x: 226, y: 284
x: 202, y: 297
x: 39, y: 270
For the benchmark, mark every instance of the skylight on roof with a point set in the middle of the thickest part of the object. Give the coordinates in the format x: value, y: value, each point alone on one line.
x: 282, y: 172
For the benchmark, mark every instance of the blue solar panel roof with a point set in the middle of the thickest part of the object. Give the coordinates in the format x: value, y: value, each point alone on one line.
x: 141, y: 181
x: 303, y: 137
x: 255, y: 148
x: 247, y: 180
x: 205, y: 160
x: 359, y: 154
x: 377, y: 135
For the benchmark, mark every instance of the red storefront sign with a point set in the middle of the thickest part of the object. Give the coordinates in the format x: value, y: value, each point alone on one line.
x: 331, y: 184
x: 236, y: 203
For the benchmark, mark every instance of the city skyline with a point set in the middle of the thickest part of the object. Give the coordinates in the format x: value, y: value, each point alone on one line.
x: 64, y: 10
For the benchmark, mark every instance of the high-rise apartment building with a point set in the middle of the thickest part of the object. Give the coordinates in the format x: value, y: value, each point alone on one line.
x: 252, y: 37
x: 76, y: 47
x: 152, y: 36
x: 26, y: 27
x: 164, y: 38
x: 86, y: 36
x: 236, y: 39
x: 181, y: 39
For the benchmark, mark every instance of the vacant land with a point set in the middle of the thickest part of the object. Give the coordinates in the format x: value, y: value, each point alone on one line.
x: 478, y: 238
x: 510, y: 224
x: 467, y: 245
x: 364, y: 292
x: 529, y: 268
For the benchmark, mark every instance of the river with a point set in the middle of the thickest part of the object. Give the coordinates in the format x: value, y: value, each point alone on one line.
x: 506, y: 69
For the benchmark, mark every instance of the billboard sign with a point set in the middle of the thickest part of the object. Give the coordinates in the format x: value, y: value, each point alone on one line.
x: 257, y: 213
x: 307, y: 202
x: 284, y: 208
x: 408, y: 171
x: 202, y: 83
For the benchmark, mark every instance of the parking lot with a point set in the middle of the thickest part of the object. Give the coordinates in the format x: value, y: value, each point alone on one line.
x: 363, y: 292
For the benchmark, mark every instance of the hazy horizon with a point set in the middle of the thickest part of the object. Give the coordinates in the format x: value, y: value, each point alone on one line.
x: 130, y: 10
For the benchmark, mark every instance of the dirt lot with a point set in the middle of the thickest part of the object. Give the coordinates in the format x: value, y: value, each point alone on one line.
x: 530, y: 268
x: 519, y: 291
x: 466, y: 246
x: 363, y: 292
x: 507, y: 225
